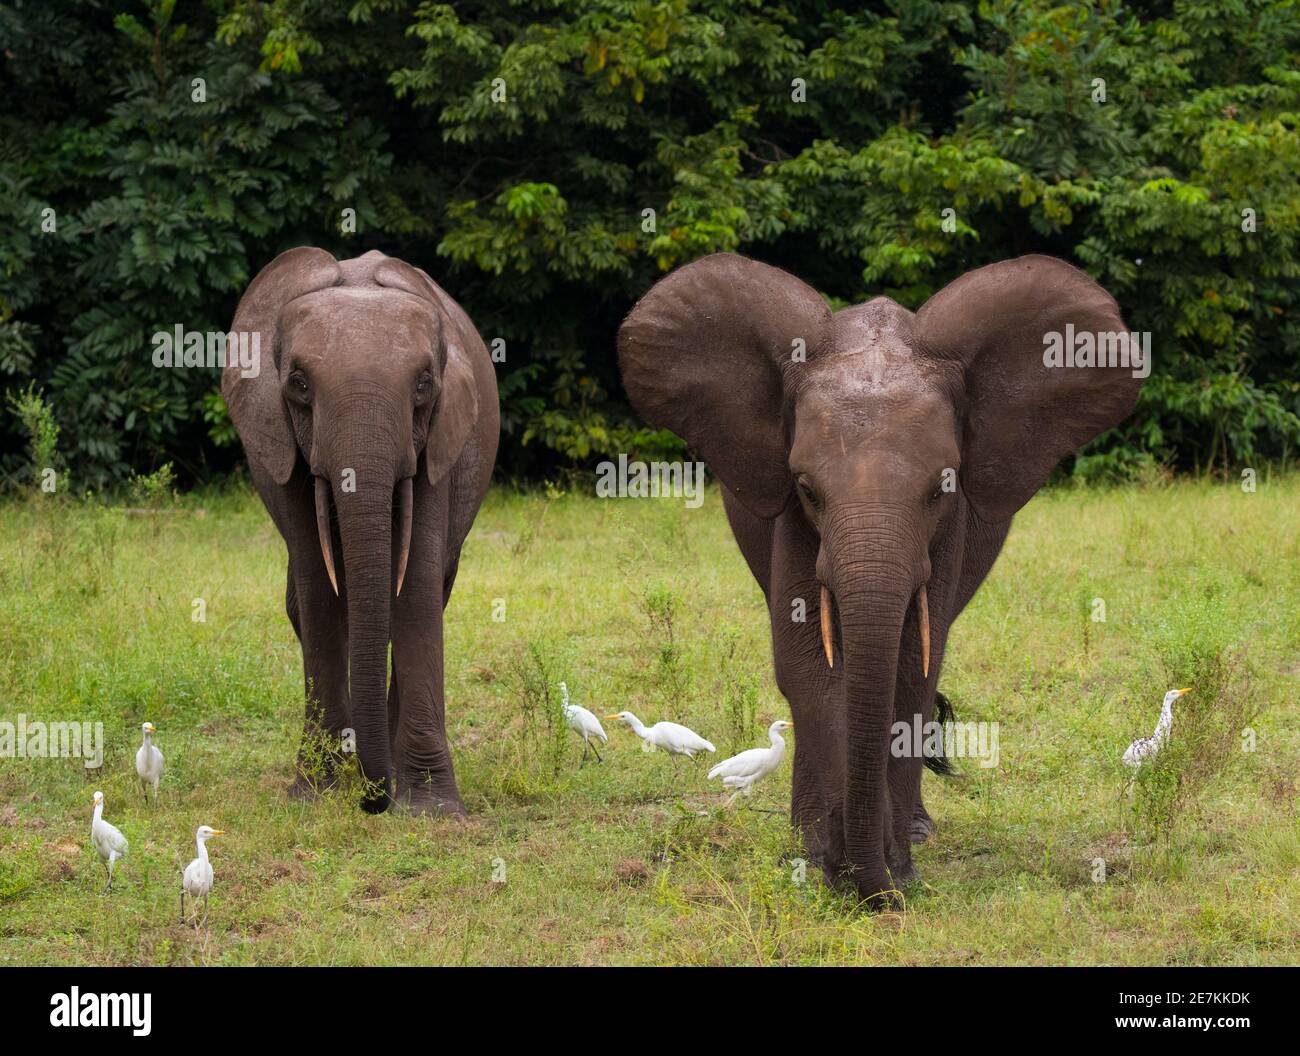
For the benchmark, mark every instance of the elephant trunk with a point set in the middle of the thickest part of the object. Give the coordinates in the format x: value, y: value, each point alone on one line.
x: 872, y: 598
x: 366, y: 531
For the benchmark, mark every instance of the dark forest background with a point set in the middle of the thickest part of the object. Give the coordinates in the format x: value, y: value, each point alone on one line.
x: 1179, y: 192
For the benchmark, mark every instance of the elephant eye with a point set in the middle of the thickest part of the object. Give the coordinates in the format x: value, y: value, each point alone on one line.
x: 424, y: 385
x: 806, y: 490
x: 298, y: 382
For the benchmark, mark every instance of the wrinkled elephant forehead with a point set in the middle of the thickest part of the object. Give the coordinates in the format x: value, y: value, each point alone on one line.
x: 357, y: 319
x: 881, y: 370
x: 840, y: 414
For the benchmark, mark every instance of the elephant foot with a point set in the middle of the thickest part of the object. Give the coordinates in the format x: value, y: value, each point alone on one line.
x: 304, y: 789
x: 875, y: 890
x: 429, y: 801
x: 923, y: 826
x: 904, y: 874
x: 879, y: 896
x: 902, y: 871
x: 315, y: 772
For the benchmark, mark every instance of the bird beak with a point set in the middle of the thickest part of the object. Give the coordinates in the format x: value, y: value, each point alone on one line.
x: 218, y: 832
x: 149, y: 726
x: 611, y: 716
x: 789, y: 725
x: 1181, y: 692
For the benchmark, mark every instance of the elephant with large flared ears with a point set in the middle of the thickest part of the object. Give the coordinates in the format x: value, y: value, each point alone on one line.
x: 371, y: 430
x: 870, y: 462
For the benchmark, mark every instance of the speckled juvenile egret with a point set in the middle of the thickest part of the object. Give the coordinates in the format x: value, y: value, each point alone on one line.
x: 742, y: 772
x: 148, y: 763
x: 1145, y: 748
x: 109, y: 844
x: 672, y: 737
x: 583, y: 723
x: 197, y: 879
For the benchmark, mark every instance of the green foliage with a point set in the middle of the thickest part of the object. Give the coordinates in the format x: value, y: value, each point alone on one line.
x: 740, y: 703
x: 671, y: 678
x: 154, y: 490
x: 543, y: 734
x: 547, y: 160
x: 37, y: 419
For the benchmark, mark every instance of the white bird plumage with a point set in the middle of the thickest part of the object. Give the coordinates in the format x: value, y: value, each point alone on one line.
x: 197, y: 878
x: 1145, y: 748
x: 108, y: 842
x: 149, y: 762
x: 742, y: 772
x: 583, y: 723
x: 671, y: 737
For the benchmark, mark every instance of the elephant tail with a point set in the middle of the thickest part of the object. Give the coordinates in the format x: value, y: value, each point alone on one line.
x: 943, y: 714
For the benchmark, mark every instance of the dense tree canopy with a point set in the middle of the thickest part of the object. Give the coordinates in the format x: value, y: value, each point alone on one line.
x: 155, y: 154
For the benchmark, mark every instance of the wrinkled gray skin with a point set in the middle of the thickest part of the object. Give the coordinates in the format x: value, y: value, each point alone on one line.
x: 368, y: 367
x: 831, y: 473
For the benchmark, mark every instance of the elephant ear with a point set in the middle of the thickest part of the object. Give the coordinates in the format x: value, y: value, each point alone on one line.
x: 1022, y: 415
x: 705, y: 354
x: 256, y: 404
x: 456, y: 411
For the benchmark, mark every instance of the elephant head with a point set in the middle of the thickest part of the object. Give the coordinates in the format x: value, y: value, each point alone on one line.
x: 362, y: 372
x: 872, y: 424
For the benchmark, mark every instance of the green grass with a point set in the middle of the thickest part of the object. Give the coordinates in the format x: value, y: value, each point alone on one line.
x: 648, y: 606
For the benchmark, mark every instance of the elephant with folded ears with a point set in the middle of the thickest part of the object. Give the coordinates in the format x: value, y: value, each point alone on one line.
x: 371, y: 430
x: 870, y: 461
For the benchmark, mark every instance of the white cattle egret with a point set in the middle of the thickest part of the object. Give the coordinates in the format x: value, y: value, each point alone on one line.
x: 742, y: 772
x: 108, y: 842
x: 1145, y: 748
x: 197, y: 879
x: 672, y: 737
x: 149, y: 763
x: 583, y: 723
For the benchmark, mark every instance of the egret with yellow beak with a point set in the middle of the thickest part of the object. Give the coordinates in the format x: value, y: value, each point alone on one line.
x: 149, y: 763
x: 671, y: 737
x: 1145, y: 748
x: 197, y: 880
x: 742, y: 772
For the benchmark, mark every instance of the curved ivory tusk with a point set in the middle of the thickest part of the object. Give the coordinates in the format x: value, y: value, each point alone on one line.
x: 405, y: 503
x: 826, y: 627
x: 923, y: 614
x: 323, y: 528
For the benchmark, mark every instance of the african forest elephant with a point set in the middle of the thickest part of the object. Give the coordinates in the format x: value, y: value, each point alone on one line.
x: 830, y: 434
x: 371, y: 432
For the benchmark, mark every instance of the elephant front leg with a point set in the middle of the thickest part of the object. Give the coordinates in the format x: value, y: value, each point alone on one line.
x: 426, y: 779
x: 914, y: 707
x: 810, y: 687
x: 319, y: 619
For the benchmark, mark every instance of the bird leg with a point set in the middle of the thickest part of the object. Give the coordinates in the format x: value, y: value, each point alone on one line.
x: 597, y: 751
x: 182, y: 905
x: 584, y: 753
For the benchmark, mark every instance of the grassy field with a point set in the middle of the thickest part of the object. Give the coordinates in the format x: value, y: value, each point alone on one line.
x: 648, y: 606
